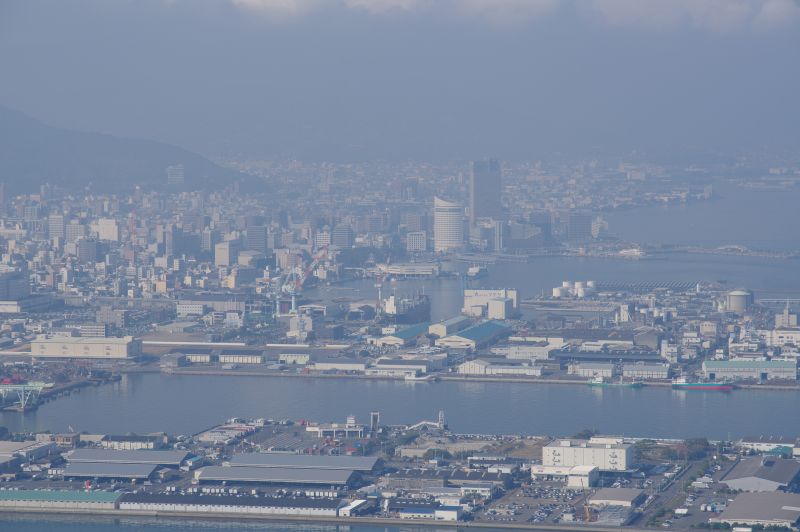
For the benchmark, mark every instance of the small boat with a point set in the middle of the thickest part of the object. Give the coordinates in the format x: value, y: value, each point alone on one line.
x: 476, y: 272
x: 419, y: 378
x: 682, y: 383
x: 603, y: 382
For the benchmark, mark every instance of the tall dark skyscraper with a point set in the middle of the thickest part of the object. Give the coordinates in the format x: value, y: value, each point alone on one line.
x: 485, y: 188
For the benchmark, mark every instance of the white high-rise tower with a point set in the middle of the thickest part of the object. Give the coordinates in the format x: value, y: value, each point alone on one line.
x: 448, y: 225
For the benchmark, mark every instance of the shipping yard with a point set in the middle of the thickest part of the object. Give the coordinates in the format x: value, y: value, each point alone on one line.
x: 425, y: 473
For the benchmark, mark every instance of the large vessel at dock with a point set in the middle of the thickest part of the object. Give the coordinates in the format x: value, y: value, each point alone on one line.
x: 609, y: 383
x: 682, y: 383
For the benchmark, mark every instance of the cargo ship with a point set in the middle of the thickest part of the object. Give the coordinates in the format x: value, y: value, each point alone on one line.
x: 407, y: 310
x: 607, y: 383
x: 682, y: 383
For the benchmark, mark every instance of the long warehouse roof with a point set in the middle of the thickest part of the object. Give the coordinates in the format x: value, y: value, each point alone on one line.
x: 58, y: 496
x: 173, y: 458
x: 228, y: 500
x: 304, y: 461
x: 275, y: 475
x: 105, y: 470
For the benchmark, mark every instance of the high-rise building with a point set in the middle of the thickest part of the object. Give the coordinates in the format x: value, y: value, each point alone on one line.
x: 74, y: 230
x: 226, y: 253
x: 175, y: 174
x: 448, y: 225
x: 342, y: 237
x: 87, y: 250
x: 55, y: 226
x: 208, y: 239
x: 416, y: 241
x: 485, y: 190
x: 256, y: 238
x: 579, y: 227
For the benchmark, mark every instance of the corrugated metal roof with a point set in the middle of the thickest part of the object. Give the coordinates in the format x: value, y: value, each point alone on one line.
x: 304, y: 461
x: 484, y: 331
x: 410, y: 332
x: 106, y: 470
x: 227, y: 500
x: 275, y: 475
x: 750, y: 364
x: 58, y: 496
x: 173, y: 458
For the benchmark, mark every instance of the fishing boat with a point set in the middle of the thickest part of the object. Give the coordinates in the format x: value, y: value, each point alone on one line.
x: 608, y: 383
x: 476, y: 272
x: 682, y: 383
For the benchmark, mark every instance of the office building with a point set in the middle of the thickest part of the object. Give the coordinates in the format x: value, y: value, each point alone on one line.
x: 485, y: 191
x: 448, y: 226
x: 256, y: 238
x: 579, y: 227
x: 342, y: 237
x: 55, y: 226
x: 87, y: 250
x: 416, y: 242
x: 175, y: 174
x: 226, y: 253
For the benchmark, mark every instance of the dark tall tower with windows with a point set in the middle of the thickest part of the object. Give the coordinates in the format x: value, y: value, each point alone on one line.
x: 485, y: 188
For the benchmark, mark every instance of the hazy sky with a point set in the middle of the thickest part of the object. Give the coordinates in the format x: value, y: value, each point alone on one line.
x: 427, y: 79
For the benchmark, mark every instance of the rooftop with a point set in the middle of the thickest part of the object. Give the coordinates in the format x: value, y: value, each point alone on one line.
x: 106, y: 470
x: 58, y: 496
x: 275, y: 475
x: 782, y: 471
x: 483, y: 331
x: 304, y: 461
x: 127, y: 457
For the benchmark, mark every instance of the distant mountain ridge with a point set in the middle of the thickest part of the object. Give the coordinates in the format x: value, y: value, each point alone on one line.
x: 33, y: 153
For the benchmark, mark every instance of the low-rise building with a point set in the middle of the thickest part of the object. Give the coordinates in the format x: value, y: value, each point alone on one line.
x: 763, y: 473
x: 85, y: 347
x: 641, y: 370
x: 765, y: 509
x: 761, y: 370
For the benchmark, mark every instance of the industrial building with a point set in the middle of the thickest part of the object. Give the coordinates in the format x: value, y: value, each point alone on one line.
x: 228, y: 504
x: 762, y: 509
x: 275, y: 475
x: 448, y: 327
x: 70, y: 500
x: 607, y: 454
x: 626, y: 497
x: 760, y: 370
x: 85, y: 347
x: 763, y: 473
x: 104, y: 456
x: 109, y: 471
x: 641, y: 370
x: 364, y: 464
x: 339, y: 364
x: 589, y: 370
x: 476, y: 337
x: 576, y: 477
x: 499, y: 367
x: 477, y: 301
x: 403, y: 337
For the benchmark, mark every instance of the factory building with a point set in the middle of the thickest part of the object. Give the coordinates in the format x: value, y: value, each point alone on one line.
x: 275, y: 475
x: 760, y: 370
x: 641, y: 370
x: 448, y: 327
x: 85, y: 347
x: 477, y: 302
x: 626, y: 497
x: 159, y: 458
x: 763, y: 473
x: 403, y: 337
x: 506, y: 367
x: 764, y: 509
x: 228, y: 504
x: 607, y: 454
x: 69, y: 500
x: 589, y: 370
x: 576, y: 477
x: 364, y: 464
x: 476, y: 337
x: 109, y: 471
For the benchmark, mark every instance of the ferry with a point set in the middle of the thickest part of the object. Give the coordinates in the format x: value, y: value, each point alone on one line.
x: 476, y: 272
x: 682, y: 383
x: 606, y: 383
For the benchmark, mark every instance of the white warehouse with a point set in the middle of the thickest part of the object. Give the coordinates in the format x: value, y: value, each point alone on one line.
x: 607, y: 454
x: 85, y: 347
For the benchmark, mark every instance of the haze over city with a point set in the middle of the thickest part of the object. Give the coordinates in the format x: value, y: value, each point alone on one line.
x: 312, y: 264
